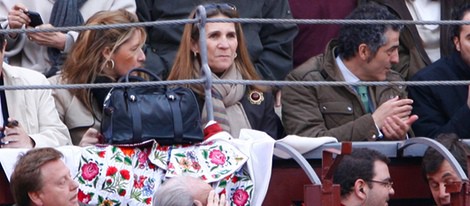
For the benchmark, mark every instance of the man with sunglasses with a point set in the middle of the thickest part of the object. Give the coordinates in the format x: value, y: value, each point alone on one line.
x: 270, y: 45
x: 364, y: 178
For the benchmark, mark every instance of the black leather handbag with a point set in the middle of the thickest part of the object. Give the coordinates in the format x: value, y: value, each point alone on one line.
x: 132, y: 115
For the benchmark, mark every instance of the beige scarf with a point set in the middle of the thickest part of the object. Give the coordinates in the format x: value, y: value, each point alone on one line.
x: 228, y: 111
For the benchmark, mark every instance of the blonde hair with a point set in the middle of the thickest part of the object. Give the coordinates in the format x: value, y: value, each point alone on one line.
x: 184, y: 64
x: 86, y: 61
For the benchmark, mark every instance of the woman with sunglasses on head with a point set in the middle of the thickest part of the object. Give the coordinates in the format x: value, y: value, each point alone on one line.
x: 99, y: 56
x: 236, y: 106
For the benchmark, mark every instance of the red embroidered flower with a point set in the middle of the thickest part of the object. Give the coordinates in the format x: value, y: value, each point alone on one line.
x: 111, y: 171
x: 101, y: 154
x: 90, y: 171
x: 148, y: 201
x: 163, y: 148
x: 122, y: 192
x: 125, y: 174
x: 240, y: 197
x: 217, y: 157
x: 139, y: 181
x: 84, y: 198
x: 234, y: 179
x: 196, y: 166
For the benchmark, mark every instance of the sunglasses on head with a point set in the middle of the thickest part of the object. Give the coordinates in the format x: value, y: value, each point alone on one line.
x: 220, y: 6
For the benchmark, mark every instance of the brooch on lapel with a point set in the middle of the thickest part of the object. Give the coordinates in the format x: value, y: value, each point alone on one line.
x: 256, y: 97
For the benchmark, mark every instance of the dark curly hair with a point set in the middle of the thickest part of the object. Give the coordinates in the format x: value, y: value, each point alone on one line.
x: 358, y: 165
x: 432, y: 159
x: 458, y: 13
x: 352, y: 35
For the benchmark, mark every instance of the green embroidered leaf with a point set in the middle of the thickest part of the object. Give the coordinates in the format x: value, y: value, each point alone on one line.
x: 205, y: 154
x: 127, y: 160
x: 114, y: 149
x: 180, y: 155
x: 81, y: 181
x: 100, y: 199
x: 95, y: 182
x: 223, y: 183
x: 249, y: 187
x: 118, y: 159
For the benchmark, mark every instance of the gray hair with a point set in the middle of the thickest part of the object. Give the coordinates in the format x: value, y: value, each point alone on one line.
x: 174, y: 192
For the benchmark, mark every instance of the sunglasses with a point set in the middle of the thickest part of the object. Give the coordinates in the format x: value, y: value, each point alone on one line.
x: 220, y: 6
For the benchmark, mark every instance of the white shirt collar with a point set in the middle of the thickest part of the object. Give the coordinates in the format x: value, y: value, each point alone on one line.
x: 348, y: 75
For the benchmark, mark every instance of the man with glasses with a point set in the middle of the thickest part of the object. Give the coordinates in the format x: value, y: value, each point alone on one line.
x: 364, y: 178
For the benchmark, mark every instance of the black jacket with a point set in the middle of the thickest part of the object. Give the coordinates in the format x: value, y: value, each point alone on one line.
x: 261, y: 117
x: 442, y: 109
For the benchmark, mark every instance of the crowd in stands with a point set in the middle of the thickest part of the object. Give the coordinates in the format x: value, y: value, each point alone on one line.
x: 250, y: 51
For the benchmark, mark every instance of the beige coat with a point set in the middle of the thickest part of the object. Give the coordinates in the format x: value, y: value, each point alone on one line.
x: 34, y: 109
x: 73, y: 112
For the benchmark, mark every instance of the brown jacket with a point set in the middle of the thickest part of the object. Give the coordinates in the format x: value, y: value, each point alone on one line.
x: 337, y: 111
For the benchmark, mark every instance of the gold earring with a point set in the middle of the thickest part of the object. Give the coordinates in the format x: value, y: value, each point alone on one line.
x: 112, y: 63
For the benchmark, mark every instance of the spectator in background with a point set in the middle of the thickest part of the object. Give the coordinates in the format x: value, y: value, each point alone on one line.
x: 41, y: 178
x: 313, y: 38
x: 45, y: 51
x: 236, y: 106
x: 28, y: 118
x: 187, y: 190
x: 421, y: 45
x: 270, y: 46
x: 99, y: 56
x: 361, y: 53
x: 445, y: 108
x: 364, y: 178
x: 438, y: 171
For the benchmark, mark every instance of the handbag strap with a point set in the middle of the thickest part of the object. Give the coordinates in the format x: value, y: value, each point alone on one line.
x: 136, y: 118
x: 177, y: 118
x: 151, y: 74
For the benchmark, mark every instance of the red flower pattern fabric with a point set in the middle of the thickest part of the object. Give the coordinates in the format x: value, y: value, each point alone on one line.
x: 113, y: 175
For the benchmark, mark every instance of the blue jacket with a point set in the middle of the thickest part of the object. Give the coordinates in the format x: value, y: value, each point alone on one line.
x: 442, y: 109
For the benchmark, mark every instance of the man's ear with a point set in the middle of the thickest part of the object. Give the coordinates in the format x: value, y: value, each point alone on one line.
x: 363, y: 51
x: 456, y: 41
x: 35, y: 198
x: 360, y: 188
x: 197, y: 203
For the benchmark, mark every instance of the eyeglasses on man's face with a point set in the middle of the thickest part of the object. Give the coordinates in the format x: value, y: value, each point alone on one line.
x: 387, y: 183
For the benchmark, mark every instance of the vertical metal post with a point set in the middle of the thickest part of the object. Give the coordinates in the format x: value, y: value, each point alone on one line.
x: 201, y: 16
